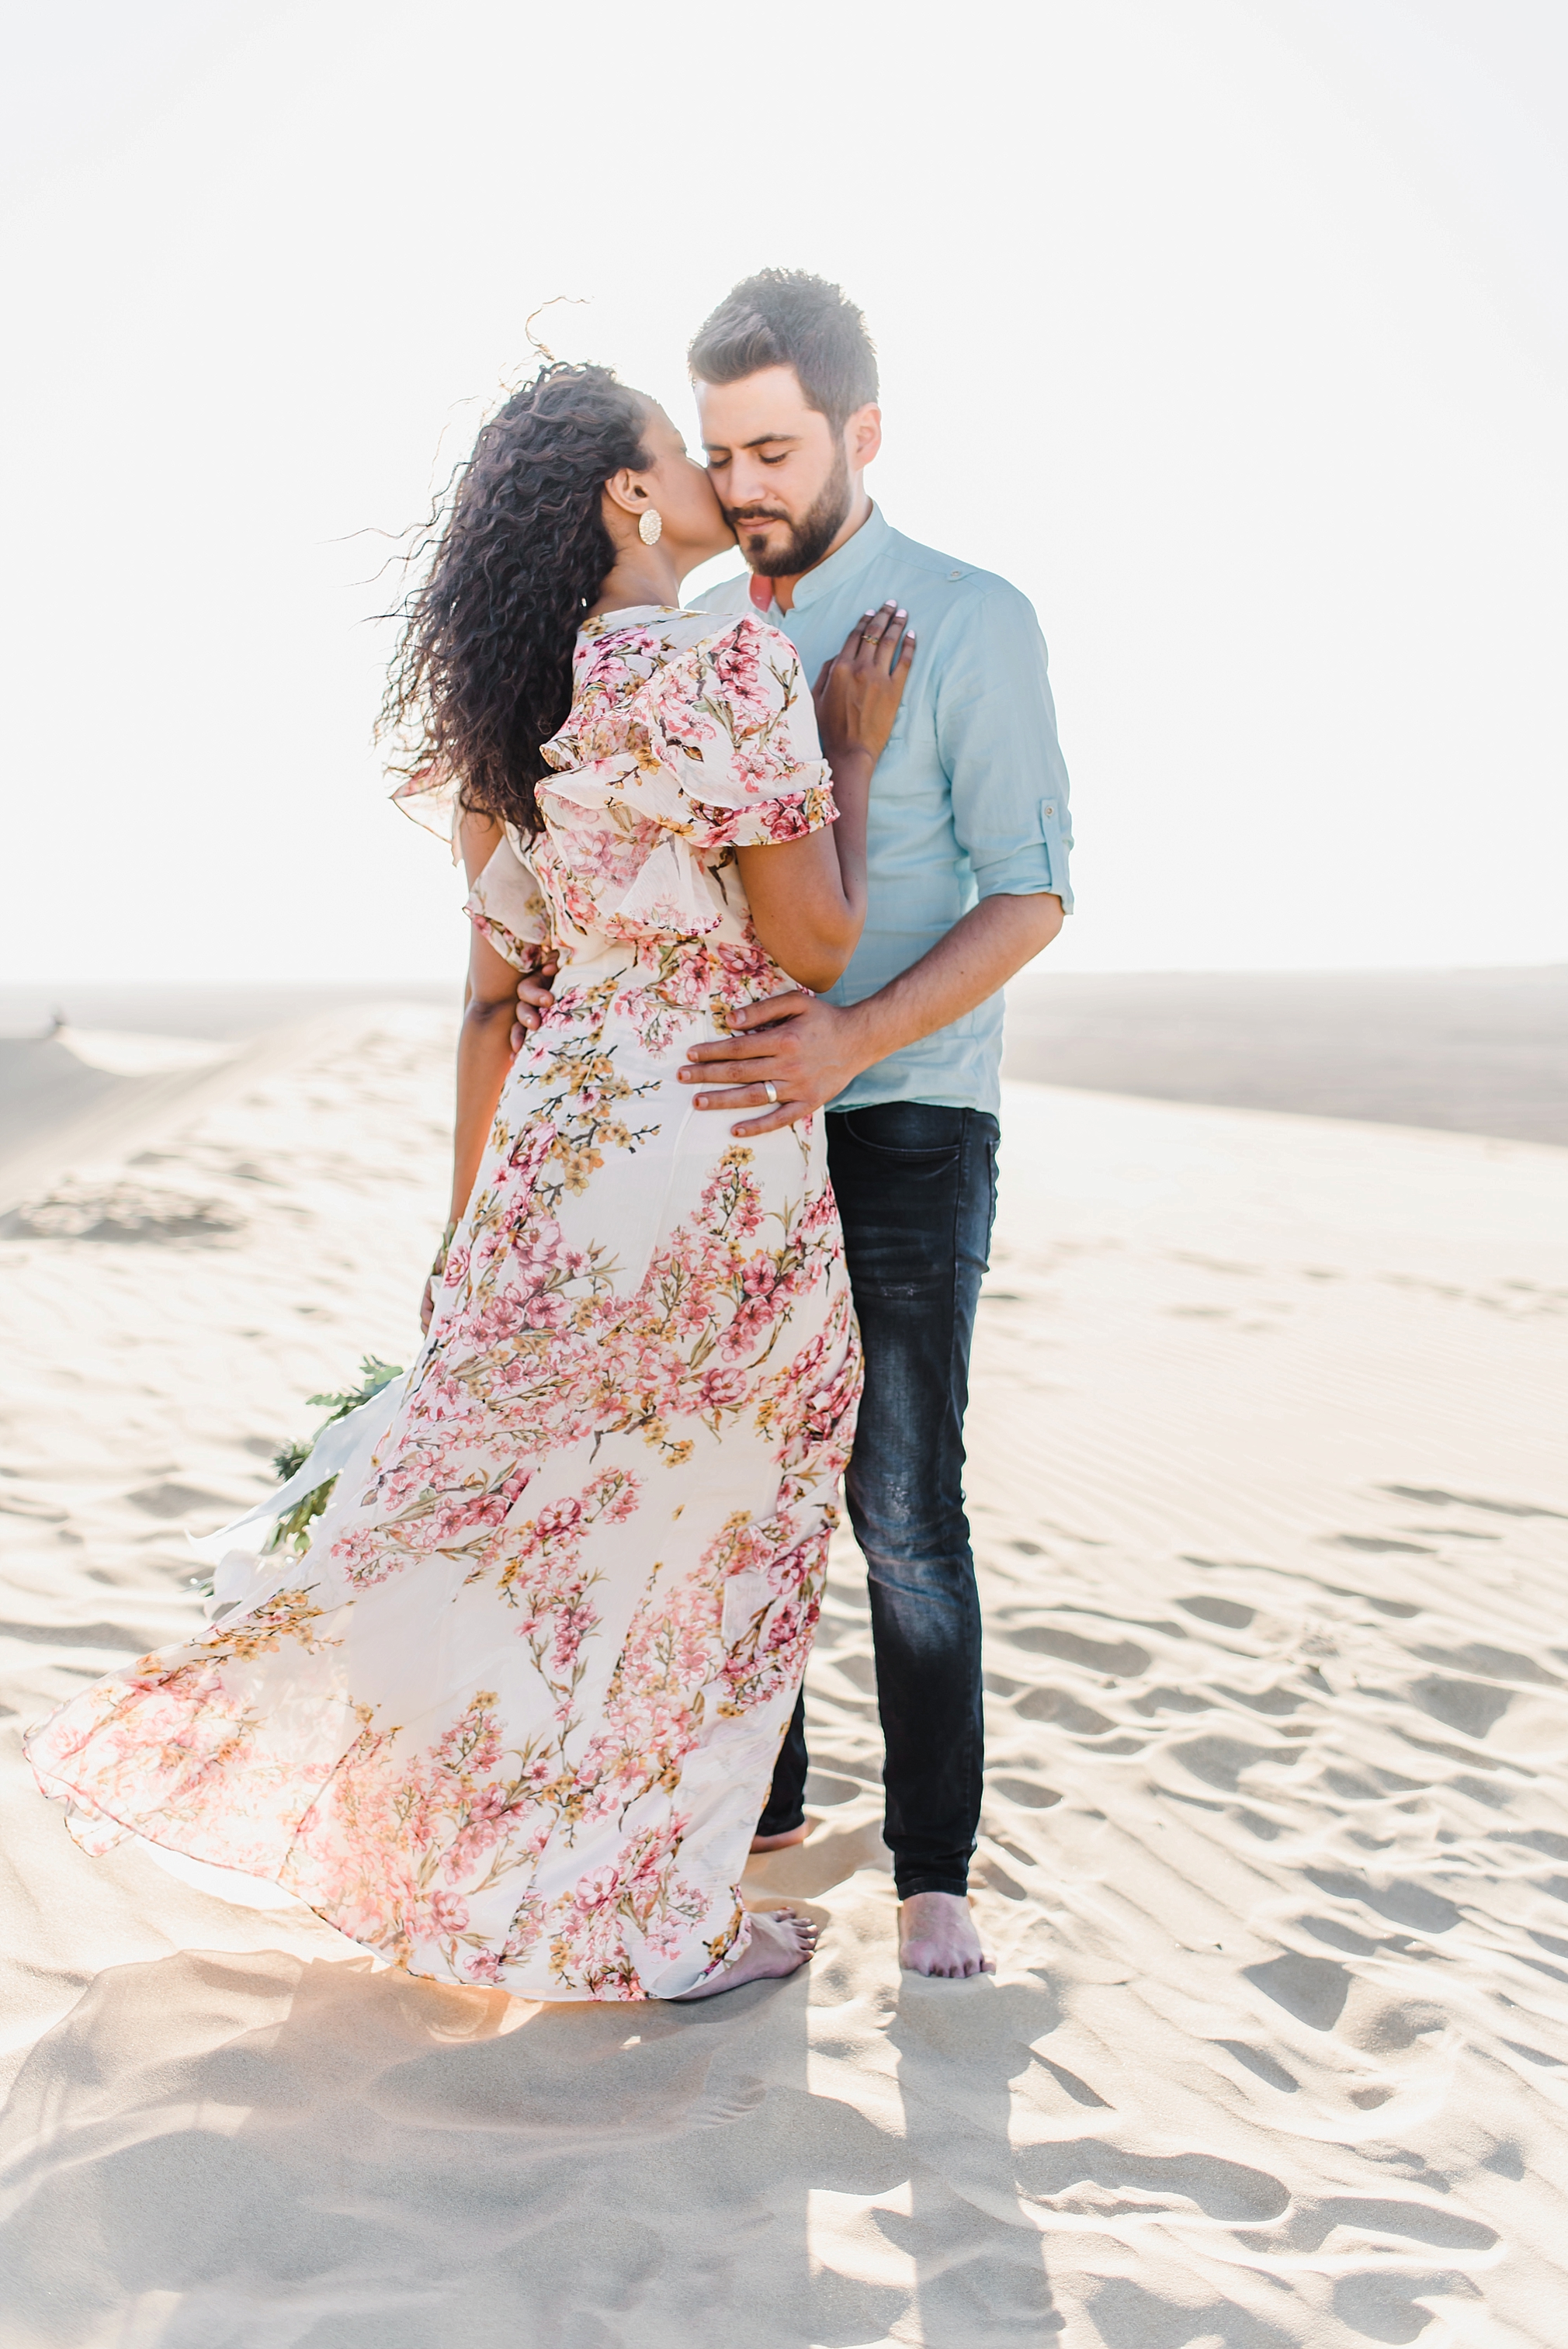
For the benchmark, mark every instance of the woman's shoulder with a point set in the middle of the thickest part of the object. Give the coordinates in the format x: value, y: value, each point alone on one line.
x: 651, y: 638
x: 648, y: 669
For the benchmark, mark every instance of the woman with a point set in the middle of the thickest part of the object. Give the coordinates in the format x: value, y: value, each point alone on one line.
x: 513, y: 1716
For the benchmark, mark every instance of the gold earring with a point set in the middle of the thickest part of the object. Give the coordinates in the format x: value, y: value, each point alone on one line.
x: 650, y: 527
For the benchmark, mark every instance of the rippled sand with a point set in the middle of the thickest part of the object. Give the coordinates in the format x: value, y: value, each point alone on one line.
x: 1268, y: 1490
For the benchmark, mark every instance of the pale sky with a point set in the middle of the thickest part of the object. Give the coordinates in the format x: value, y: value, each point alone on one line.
x: 1236, y: 334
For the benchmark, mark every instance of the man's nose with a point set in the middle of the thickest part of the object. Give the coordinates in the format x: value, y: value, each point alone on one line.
x: 746, y: 483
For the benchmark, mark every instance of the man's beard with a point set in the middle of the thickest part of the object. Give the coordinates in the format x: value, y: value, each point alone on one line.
x: 811, y: 537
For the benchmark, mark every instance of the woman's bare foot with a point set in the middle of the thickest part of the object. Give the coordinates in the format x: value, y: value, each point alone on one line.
x: 782, y: 1842
x: 781, y: 1944
x: 936, y: 1936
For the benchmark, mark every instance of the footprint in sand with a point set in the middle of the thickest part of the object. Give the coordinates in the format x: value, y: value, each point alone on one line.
x: 1118, y: 1659
x: 1227, y: 1612
x: 1028, y: 1792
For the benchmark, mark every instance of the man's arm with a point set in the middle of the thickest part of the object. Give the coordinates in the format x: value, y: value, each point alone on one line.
x: 810, y: 1050
x: 996, y: 738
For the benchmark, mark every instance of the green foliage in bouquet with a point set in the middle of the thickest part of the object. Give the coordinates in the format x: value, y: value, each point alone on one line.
x: 374, y: 1374
x: 293, y: 1529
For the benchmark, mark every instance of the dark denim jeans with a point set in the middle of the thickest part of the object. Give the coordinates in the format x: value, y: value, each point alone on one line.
x: 916, y: 1188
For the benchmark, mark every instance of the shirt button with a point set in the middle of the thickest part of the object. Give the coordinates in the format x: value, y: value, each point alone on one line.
x: 1049, y: 809
x: 955, y: 574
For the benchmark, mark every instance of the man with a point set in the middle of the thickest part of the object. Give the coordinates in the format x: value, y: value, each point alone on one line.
x: 967, y: 881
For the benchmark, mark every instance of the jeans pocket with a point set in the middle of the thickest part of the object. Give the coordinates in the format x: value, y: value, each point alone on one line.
x: 907, y: 1132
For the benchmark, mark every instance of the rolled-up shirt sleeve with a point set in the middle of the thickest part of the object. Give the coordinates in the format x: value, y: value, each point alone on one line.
x: 996, y: 736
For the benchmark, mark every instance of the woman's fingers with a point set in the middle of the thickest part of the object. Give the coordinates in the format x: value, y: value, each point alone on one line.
x: 889, y: 650
x: 879, y: 626
x: 885, y: 634
x: 876, y: 626
x: 857, y: 642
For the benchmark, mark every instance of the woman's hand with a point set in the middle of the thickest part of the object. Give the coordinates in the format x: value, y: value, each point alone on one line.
x: 858, y: 694
x: 807, y: 897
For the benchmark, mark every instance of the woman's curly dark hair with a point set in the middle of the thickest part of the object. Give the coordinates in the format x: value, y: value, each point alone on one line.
x: 482, y: 674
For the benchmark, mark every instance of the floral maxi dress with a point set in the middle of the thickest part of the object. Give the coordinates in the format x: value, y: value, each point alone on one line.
x: 512, y: 1718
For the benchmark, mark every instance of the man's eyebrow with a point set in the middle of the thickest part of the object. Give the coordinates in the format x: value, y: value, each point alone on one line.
x: 762, y: 441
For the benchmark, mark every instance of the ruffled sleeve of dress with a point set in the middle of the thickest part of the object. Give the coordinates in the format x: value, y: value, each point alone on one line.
x: 504, y: 903
x: 662, y: 762
x: 739, y: 762
x: 429, y: 799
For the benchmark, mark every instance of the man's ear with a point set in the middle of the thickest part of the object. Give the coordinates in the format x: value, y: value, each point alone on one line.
x: 862, y: 437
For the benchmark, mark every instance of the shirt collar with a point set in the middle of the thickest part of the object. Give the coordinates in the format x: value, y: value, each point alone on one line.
x: 855, y: 555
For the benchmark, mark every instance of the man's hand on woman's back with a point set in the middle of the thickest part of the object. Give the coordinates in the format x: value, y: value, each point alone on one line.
x: 534, y: 998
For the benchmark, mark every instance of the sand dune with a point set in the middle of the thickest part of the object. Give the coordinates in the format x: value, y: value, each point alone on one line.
x: 1266, y: 1480
x: 1472, y: 1051
x: 80, y: 1093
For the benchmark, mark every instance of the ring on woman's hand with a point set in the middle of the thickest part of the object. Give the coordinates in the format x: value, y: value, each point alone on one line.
x: 771, y: 1091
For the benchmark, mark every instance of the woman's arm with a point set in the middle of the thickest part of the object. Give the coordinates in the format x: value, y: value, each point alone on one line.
x: 484, y: 1043
x: 808, y: 897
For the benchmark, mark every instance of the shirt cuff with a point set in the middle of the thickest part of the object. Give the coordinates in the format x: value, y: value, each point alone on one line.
x: 1037, y: 865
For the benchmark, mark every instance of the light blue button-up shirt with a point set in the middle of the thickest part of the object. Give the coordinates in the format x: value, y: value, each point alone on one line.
x: 969, y: 799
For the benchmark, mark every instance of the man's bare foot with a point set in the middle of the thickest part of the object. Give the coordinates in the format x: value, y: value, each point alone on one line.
x: 782, y: 1842
x: 936, y: 1936
x: 781, y: 1944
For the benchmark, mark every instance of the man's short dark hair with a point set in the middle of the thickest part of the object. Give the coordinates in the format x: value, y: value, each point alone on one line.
x: 785, y: 317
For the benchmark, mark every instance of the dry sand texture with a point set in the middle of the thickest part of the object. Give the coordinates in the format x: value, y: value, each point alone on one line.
x: 1271, y: 1513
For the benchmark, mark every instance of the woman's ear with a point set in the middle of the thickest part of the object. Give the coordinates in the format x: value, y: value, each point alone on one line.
x: 630, y: 491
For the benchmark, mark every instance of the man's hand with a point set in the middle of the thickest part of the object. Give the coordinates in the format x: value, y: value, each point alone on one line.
x: 533, y: 1000
x: 808, y: 1051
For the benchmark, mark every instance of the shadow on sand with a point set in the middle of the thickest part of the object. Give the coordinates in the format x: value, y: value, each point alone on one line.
x: 262, y: 2151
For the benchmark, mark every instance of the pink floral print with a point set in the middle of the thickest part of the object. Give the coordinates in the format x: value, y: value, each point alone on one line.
x: 512, y: 1717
